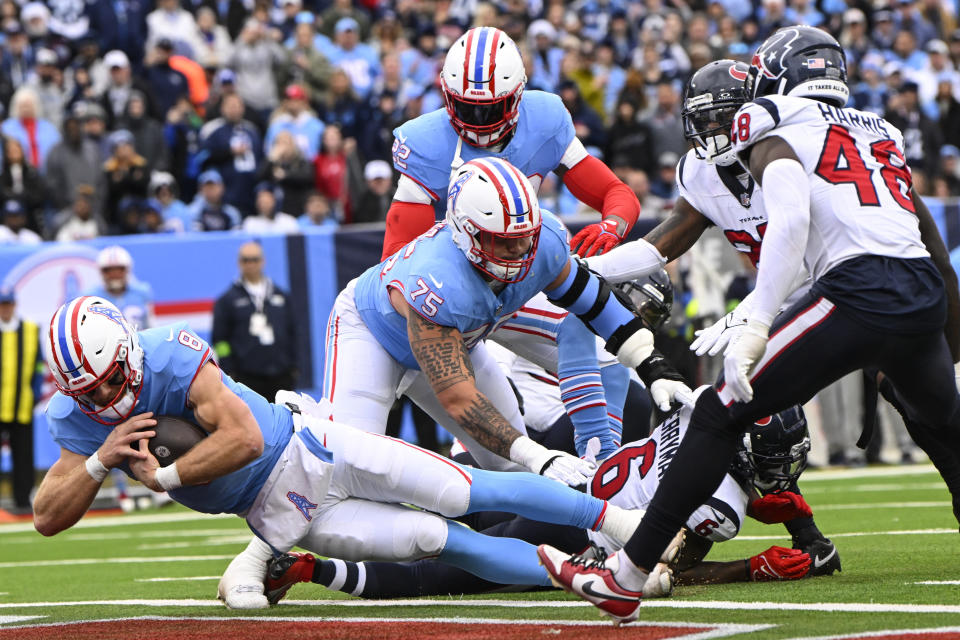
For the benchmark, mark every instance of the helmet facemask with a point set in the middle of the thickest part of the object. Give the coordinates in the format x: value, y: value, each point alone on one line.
x: 708, y: 128
x: 482, y: 122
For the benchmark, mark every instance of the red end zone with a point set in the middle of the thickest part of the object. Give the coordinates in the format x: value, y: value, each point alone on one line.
x: 200, y: 629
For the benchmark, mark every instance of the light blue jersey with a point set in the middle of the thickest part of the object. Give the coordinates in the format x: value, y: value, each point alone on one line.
x: 426, y: 146
x: 439, y: 283
x: 172, y: 357
x: 134, y: 303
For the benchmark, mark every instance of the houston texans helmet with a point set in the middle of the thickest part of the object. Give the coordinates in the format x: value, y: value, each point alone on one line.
x: 494, y: 217
x: 800, y: 61
x: 89, y: 344
x: 651, y: 297
x: 773, y: 452
x: 711, y: 98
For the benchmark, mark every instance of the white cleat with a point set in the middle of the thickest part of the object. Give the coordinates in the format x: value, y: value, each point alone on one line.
x: 659, y: 583
x: 241, y: 586
x: 672, y: 552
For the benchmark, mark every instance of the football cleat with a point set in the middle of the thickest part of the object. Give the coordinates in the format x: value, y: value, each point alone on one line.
x: 286, y: 571
x: 823, y: 556
x: 590, y: 579
x: 671, y: 554
x: 241, y: 586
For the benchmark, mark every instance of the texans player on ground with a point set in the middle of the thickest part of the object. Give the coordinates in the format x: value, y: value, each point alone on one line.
x: 839, y: 200
x: 296, y: 477
x: 488, y: 114
x: 770, y: 459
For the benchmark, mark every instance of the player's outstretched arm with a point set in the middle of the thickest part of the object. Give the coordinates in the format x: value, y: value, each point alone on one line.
x: 941, y: 258
x: 444, y: 359
x: 679, y: 231
x: 71, y: 484
x: 235, y: 438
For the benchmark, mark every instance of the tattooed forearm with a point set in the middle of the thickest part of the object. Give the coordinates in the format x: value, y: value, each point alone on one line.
x: 675, y: 235
x: 488, y: 427
x: 440, y: 352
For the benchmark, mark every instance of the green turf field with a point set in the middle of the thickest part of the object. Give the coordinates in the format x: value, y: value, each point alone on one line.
x: 893, y: 527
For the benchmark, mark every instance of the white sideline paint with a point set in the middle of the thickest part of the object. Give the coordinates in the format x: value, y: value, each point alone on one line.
x: 885, y: 633
x: 936, y: 582
x: 71, y: 536
x: 183, y: 579
x: 209, y: 542
x: 857, y: 534
x: 12, y: 619
x: 847, y: 489
x: 137, y: 560
x: 851, y: 607
x: 718, y: 629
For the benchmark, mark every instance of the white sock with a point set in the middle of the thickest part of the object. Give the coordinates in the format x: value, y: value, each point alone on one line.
x: 628, y: 575
x: 620, y: 523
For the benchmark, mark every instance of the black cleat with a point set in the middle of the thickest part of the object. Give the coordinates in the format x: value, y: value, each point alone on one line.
x: 824, y: 558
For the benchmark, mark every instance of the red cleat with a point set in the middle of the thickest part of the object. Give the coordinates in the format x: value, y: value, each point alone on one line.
x: 286, y: 571
x: 591, y: 580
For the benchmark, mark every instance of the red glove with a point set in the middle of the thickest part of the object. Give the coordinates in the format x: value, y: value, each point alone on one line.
x: 779, y: 507
x: 596, y: 238
x: 779, y: 563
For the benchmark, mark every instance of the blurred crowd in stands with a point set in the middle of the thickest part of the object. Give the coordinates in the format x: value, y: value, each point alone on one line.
x: 125, y: 117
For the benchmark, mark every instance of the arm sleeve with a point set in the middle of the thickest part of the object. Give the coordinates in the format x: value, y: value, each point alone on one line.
x: 590, y: 298
x: 785, y: 241
x: 628, y: 261
x: 405, y: 221
x: 581, y: 388
x: 594, y: 184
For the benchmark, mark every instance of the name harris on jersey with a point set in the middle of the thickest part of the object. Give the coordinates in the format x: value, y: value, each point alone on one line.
x: 875, y: 124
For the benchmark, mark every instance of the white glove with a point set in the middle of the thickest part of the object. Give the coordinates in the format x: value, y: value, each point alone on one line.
x: 636, y: 349
x: 721, y: 333
x: 664, y: 392
x: 741, y: 357
x: 555, y: 465
x: 956, y: 374
x: 568, y: 469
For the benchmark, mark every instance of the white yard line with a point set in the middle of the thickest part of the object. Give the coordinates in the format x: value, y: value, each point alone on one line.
x: 183, y: 579
x: 851, y: 607
x: 209, y: 542
x: 936, y: 582
x: 867, y: 472
x: 857, y: 534
x: 137, y: 560
x: 12, y: 619
x: 883, y: 505
x: 891, y: 632
x: 717, y: 630
x: 122, y: 521
x: 847, y: 489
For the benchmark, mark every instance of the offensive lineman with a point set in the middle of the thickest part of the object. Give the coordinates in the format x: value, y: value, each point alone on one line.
x: 841, y: 192
x: 488, y: 114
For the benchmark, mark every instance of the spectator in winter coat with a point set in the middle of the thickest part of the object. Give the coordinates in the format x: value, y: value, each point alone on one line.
x: 254, y: 59
x: 74, y: 161
x: 167, y: 84
x: 36, y: 135
x: 290, y: 174
x: 21, y: 182
x: 234, y: 149
x: 127, y: 176
x: 209, y: 211
x: 296, y: 117
x: 147, y: 133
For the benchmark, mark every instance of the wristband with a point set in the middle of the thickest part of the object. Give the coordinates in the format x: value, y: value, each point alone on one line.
x: 657, y: 367
x: 95, y: 468
x: 530, y: 454
x: 168, y: 477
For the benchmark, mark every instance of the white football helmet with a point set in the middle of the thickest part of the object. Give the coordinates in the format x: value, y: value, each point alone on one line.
x: 90, y: 343
x: 494, y: 215
x: 112, y: 257
x: 482, y: 81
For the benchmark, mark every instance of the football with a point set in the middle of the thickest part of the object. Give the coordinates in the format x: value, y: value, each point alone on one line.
x: 175, y: 436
